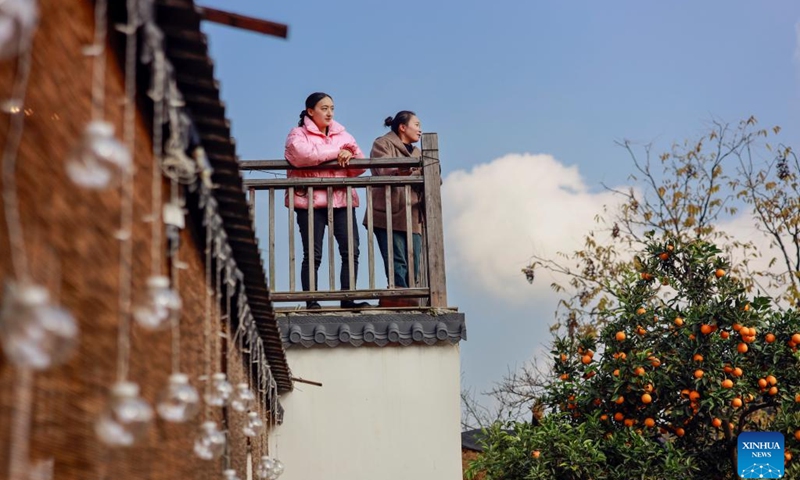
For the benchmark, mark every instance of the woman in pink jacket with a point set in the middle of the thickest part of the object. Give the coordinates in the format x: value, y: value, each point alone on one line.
x: 318, y: 139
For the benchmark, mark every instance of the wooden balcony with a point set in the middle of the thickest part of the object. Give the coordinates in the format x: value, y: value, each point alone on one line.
x: 282, y: 254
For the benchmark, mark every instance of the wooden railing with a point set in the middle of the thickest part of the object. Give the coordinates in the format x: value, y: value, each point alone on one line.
x: 431, y: 285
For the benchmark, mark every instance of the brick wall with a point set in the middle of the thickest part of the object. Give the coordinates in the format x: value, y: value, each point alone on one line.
x: 69, y: 234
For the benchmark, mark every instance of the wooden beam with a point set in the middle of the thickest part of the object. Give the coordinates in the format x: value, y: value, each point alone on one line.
x: 349, y: 294
x: 264, y: 184
x: 252, y: 24
x: 434, y: 231
x: 404, y: 162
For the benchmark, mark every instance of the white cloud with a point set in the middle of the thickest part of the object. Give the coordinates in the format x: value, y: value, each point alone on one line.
x: 500, y: 213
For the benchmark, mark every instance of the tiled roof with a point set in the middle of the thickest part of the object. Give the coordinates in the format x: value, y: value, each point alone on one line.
x: 368, y: 328
x: 187, y: 50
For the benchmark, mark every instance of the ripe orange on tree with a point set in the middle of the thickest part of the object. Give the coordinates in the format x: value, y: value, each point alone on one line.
x: 742, y: 348
x: 697, y: 357
x: 773, y: 391
x: 698, y: 373
x: 629, y: 422
x: 716, y: 422
x: 744, y: 331
x: 719, y: 273
x: 727, y: 368
x: 647, y: 399
x: 705, y: 329
x: 769, y: 338
x: 727, y: 383
x: 655, y: 362
x: 679, y: 321
x: 620, y: 336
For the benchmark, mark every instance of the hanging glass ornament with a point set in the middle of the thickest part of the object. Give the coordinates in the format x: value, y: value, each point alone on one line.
x: 11, y: 106
x: 221, y: 391
x: 126, y: 417
x: 266, y: 469
x: 35, y: 333
x: 277, y: 471
x: 254, y: 425
x: 229, y: 475
x: 242, y: 398
x: 161, y: 304
x: 180, y: 401
x: 98, y: 157
x: 18, y: 19
x: 211, y: 442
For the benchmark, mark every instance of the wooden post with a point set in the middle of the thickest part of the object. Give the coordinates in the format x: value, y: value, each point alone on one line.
x: 387, y: 195
x: 272, y: 280
x: 410, y: 260
x: 331, y: 259
x: 291, y: 239
x: 350, y: 239
x: 434, y: 231
x: 312, y: 246
x: 370, y: 247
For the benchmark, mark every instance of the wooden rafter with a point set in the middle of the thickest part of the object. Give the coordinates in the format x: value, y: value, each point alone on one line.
x: 244, y: 22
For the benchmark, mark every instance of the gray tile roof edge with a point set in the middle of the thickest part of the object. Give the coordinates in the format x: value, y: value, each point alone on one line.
x: 401, y: 329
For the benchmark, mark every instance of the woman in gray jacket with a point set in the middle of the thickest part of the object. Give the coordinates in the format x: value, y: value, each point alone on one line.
x: 399, y: 142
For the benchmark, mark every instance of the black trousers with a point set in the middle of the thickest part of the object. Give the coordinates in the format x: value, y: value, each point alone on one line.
x: 320, y: 219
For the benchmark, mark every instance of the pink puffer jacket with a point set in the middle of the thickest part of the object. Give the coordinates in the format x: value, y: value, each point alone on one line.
x: 306, y: 146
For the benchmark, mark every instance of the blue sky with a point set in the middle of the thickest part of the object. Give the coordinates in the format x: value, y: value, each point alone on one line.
x: 558, y: 81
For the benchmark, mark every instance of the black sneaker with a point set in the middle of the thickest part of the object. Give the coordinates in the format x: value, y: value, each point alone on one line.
x: 352, y: 304
x: 313, y: 305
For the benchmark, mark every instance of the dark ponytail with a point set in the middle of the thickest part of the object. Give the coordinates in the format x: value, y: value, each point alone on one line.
x: 311, y: 102
x: 401, y: 118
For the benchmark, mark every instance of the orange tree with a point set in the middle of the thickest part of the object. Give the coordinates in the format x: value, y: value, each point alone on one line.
x: 560, y: 448
x: 687, y: 358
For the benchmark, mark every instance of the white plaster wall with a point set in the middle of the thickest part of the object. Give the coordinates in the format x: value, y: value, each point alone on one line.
x: 390, y: 413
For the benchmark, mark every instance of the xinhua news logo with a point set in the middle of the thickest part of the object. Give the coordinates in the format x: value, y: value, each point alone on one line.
x: 760, y: 455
